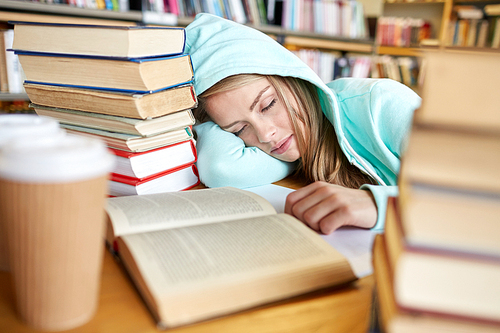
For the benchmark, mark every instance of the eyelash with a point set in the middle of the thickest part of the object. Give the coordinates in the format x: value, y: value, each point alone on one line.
x: 270, y: 105
x: 240, y: 131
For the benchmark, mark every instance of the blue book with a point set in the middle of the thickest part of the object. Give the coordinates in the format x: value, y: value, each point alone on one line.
x: 115, y: 74
x: 98, y: 40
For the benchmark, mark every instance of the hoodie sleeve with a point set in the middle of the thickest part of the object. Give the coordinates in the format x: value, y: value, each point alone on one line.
x: 381, y: 195
x: 391, y: 106
x: 224, y: 160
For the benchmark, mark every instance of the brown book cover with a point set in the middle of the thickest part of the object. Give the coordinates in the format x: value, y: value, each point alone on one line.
x: 127, y: 75
x: 98, y: 40
x: 394, y: 319
x: 460, y: 90
x: 131, y: 105
x: 453, y: 159
x: 143, y: 127
x: 436, y: 278
x: 133, y: 143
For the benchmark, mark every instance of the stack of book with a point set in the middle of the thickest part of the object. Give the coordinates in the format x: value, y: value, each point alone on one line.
x: 129, y: 86
x: 437, y: 266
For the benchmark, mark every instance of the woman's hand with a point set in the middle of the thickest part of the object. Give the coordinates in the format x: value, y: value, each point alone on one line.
x: 326, y: 207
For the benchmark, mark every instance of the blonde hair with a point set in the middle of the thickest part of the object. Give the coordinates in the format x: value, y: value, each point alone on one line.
x: 321, y: 156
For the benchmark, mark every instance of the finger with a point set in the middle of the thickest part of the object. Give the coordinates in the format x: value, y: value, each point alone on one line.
x: 332, y: 222
x: 313, y: 209
x: 300, y: 194
x: 341, y: 216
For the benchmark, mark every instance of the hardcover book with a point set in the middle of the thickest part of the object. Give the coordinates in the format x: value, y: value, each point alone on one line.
x: 98, y: 40
x: 130, y: 75
x: 393, y: 319
x: 132, y: 105
x: 450, y: 100
x: 173, y: 180
x: 460, y: 281
x: 200, y: 254
x: 133, y: 143
x: 453, y: 159
x: 149, y: 163
x: 143, y: 127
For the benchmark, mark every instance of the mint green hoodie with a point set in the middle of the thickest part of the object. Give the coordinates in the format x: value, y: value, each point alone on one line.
x: 371, y: 117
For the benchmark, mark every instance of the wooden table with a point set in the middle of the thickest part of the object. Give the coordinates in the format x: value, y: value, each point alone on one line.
x: 121, y: 309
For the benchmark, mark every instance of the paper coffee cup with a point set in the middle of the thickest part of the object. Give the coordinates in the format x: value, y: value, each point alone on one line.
x: 53, y: 193
x: 15, y: 126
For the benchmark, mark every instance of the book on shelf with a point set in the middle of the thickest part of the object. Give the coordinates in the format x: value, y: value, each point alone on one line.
x: 14, y: 71
x: 152, y: 162
x: 131, y: 105
x: 201, y: 254
x: 143, y: 127
x: 482, y: 33
x: 98, y: 40
x: 456, y: 91
x: 442, y: 281
x: 393, y: 319
x: 173, y: 180
x: 492, y: 9
x: 469, y: 12
x: 4, y: 81
x: 133, y: 143
x: 402, y: 32
x: 473, y: 26
x: 132, y: 75
x: 494, y: 35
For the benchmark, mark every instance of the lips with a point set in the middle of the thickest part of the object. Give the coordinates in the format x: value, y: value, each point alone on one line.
x: 282, y: 146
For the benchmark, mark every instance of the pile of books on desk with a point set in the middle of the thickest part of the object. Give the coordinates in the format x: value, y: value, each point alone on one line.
x: 128, y: 86
x: 437, y: 266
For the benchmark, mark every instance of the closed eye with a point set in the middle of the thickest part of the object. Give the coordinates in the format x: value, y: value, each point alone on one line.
x: 270, y: 105
x: 238, y: 133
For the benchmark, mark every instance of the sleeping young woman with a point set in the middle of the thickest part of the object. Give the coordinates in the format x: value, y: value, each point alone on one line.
x: 264, y: 114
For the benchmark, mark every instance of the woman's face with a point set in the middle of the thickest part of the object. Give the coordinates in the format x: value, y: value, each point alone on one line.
x: 255, y: 114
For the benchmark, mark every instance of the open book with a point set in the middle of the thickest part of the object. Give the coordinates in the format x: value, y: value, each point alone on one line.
x: 199, y: 254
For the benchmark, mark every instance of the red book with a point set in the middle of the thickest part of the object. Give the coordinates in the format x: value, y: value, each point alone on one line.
x: 156, y: 161
x: 173, y: 180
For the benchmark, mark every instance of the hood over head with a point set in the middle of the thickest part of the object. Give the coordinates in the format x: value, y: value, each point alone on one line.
x: 220, y: 48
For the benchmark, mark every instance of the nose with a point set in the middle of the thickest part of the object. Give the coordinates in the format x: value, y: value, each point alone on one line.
x: 265, y: 132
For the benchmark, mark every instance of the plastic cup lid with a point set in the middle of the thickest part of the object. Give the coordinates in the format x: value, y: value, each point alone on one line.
x: 20, y: 125
x: 62, y: 158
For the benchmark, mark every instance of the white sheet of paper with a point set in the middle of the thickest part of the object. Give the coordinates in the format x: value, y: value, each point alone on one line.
x: 354, y: 243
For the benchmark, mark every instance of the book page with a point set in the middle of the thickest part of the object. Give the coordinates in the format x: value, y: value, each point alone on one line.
x: 195, y: 254
x: 213, y: 267
x: 142, y: 213
x: 354, y: 243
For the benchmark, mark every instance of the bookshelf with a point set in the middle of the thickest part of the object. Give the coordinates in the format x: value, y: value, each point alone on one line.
x: 438, y: 12
x: 59, y: 13
x: 63, y: 11
x: 307, y: 39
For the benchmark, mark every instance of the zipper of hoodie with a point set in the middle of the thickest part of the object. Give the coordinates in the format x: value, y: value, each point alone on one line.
x: 357, y: 158
x: 367, y: 167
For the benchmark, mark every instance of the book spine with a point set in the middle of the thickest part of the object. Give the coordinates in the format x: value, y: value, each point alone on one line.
x: 127, y: 154
x: 137, y: 181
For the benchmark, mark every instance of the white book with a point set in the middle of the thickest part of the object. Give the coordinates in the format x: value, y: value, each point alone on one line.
x: 237, y: 11
x: 14, y: 75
